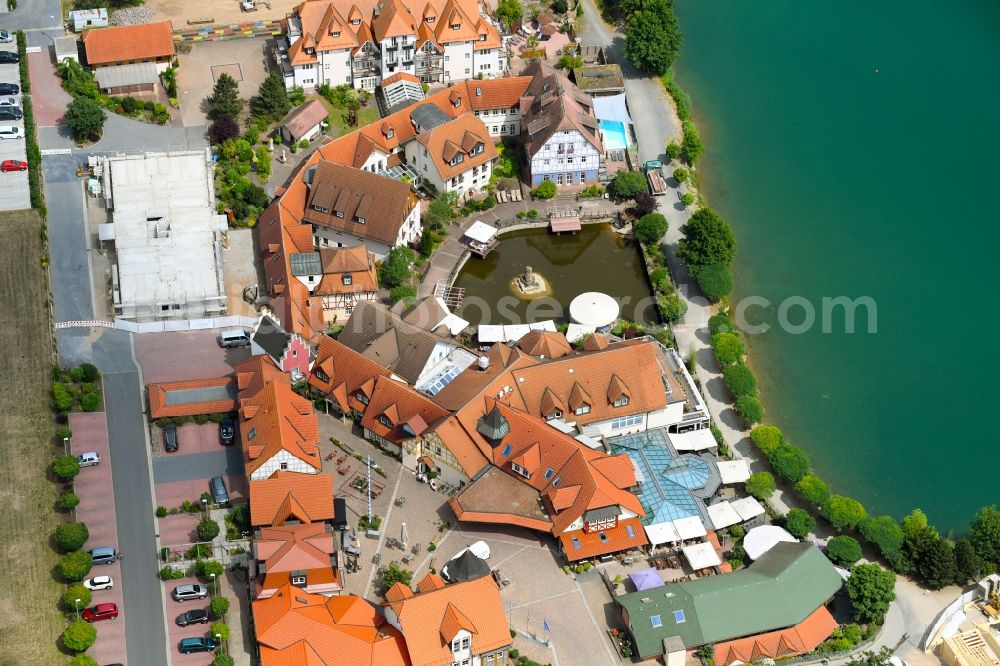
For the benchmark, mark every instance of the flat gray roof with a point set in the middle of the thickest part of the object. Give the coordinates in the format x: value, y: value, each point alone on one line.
x: 207, y: 394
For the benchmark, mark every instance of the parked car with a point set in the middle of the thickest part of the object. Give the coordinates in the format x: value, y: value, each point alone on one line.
x: 227, y: 432
x: 9, y: 101
x: 104, y: 555
x: 218, y: 488
x: 11, y: 132
x: 99, y: 583
x: 197, y: 616
x: 202, y: 644
x: 11, y: 113
x: 10, y: 89
x: 13, y: 165
x: 6, y: 37
x: 189, y: 591
x: 100, y: 612
x: 170, y: 438
x: 90, y: 458
x: 9, y: 57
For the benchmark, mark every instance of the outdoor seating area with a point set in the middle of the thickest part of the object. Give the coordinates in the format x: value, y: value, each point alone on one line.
x: 481, y: 238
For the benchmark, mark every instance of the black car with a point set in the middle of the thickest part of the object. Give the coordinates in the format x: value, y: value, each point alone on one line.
x: 10, y: 113
x: 10, y: 89
x: 227, y: 432
x: 8, y: 57
x: 198, y: 616
x: 170, y: 438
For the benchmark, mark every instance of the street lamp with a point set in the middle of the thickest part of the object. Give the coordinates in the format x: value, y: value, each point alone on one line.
x: 204, y: 507
x: 65, y: 445
x: 76, y: 605
x: 215, y: 588
x: 218, y: 638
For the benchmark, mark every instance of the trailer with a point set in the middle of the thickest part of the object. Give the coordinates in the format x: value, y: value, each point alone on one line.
x: 654, y: 174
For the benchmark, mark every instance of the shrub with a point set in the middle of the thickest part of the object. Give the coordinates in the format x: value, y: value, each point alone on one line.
x: 799, y: 523
x: 75, y: 566
x: 129, y: 105
x: 650, y: 228
x: 90, y: 402
x: 884, y: 533
x: 687, y: 199
x: 715, y: 281
x: 691, y: 143
x: 843, y: 512
x: 812, y: 489
x: 68, y: 501
x: 843, y: 550
x: 65, y: 468
x: 740, y: 380
x: 79, y: 636
x: 207, y: 529
x: 644, y: 204
x: 219, y: 606
x: 62, y: 399
x: 171, y: 573
x: 750, y: 409
x: 767, y: 438
x: 403, y: 292
x: 789, y: 462
x: 220, y: 629
x: 720, y: 323
x: 76, y: 374
x: 671, y: 307
x: 545, y: 190
x: 532, y: 214
x: 673, y: 150
x: 222, y: 659
x: 627, y: 184
x: 63, y: 433
x: 680, y: 175
x: 395, y: 270
x: 708, y: 240
x: 761, y: 485
x: 82, y: 660
x: 728, y: 348
x: 304, y: 143
x: 90, y: 372
x: 224, y: 128
x: 392, y: 573
x: 74, y: 592
x: 205, y: 568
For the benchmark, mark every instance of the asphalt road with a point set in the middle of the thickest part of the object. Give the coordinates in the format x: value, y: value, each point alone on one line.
x: 170, y: 468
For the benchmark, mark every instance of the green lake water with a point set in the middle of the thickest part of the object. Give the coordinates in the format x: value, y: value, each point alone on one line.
x: 853, y: 147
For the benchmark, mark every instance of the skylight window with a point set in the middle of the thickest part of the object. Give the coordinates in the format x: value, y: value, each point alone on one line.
x: 252, y: 433
x: 679, y: 617
x: 655, y: 621
x: 603, y: 537
x: 549, y: 472
x: 630, y: 531
x: 506, y: 451
x: 577, y: 546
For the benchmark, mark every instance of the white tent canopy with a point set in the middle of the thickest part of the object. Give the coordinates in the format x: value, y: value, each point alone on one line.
x: 723, y: 515
x: 748, y: 508
x: 761, y: 539
x: 577, y: 331
x: 481, y: 232
x: 490, y: 333
x: 514, y: 332
x: 701, y: 556
x: 661, y: 533
x: 733, y: 471
x: 693, y: 440
x: 480, y: 549
x: 593, y: 308
x: 612, y: 107
x: 453, y: 323
x: 547, y: 325
x: 690, y: 527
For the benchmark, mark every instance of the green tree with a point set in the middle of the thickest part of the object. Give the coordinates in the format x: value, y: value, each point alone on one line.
x: 395, y: 270
x: 545, y: 190
x: 207, y: 529
x: 90, y: 402
x: 65, y: 468
x: 68, y: 501
x: 79, y: 636
x: 70, y: 537
x: 225, y: 98
x: 559, y: 6
x: 205, y: 568
x: 984, y: 533
x: 884, y: 533
x: 930, y: 558
x: 740, y: 380
x: 220, y: 629
x: 62, y: 399
x: 728, y: 348
x: 74, y: 592
x: 750, y: 409
x: 812, y: 489
x: 75, y: 566
x: 650, y: 228
x: 569, y: 61
x: 653, y: 37
x: 272, y: 100
x: 670, y: 306
x: 871, y: 589
x: 219, y: 607
x: 82, y: 660
x: 968, y: 564
x: 715, y: 281
x: 767, y: 438
x: 790, y: 462
x: 761, y: 485
x: 403, y: 292
x: 720, y: 323
x: 680, y: 175
x: 90, y: 372
x: 799, y: 523
x: 687, y: 199
x: 509, y: 12
x: 222, y: 659
x: 392, y: 573
x: 643, y: 204
x: 707, y: 240
x: 673, y: 150
x: 843, y: 550
x: 627, y: 184
x: 439, y: 212
x: 691, y: 144
x: 869, y: 658
x: 843, y: 512
x: 85, y: 118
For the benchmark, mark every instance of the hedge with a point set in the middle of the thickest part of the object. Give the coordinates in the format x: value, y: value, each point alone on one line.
x: 767, y: 438
x: 33, y: 152
x: 740, y: 380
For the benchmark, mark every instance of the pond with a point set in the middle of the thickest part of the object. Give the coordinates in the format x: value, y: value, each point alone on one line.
x: 593, y: 259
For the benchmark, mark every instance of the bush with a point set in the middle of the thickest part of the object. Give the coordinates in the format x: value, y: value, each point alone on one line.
x: 812, y: 489
x: 222, y: 659
x: 650, y: 228
x: 70, y: 537
x: 392, y: 573
x: 673, y: 150
x: 761, y: 485
x: 644, y: 204
x: 395, y: 270
x: 65, y: 468
x: 129, y: 105
x: 790, y: 462
x: 79, y: 636
x: 63, y: 433
x: 82, y: 660
x: 715, y: 281
x: 767, y: 438
x: 219, y: 607
x: 220, y: 629
x: 403, y: 292
x: 691, y: 143
x: 205, y: 568
x: 90, y: 402
x: 720, y: 323
x: 750, y: 409
x: 843, y: 512
x: 545, y: 190
x: 884, y: 533
x: 799, y: 523
x: 74, y: 592
x: 68, y: 501
x: 680, y: 175
x: 532, y: 214
x: 671, y: 307
x: 728, y: 348
x: 740, y: 380
x: 687, y: 199
x: 207, y: 529
x: 171, y: 573
x: 62, y: 399
x: 627, y: 184
x: 843, y: 550
x: 75, y: 566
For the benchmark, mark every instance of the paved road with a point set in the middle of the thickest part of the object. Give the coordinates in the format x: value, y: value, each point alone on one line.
x: 40, y: 19
x: 126, y: 135
x: 170, y: 469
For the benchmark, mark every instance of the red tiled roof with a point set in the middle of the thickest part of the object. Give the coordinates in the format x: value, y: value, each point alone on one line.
x: 148, y: 41
x: 304, y: 117
x: 592, y: 545
x: 160, y: 401
x: 307, y: 498
x: 799, y: 639
x: 399, y: 403
x: 346, y: 372
x: 293, y: 548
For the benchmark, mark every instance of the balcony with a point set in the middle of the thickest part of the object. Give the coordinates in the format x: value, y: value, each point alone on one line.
x: 429, y: 66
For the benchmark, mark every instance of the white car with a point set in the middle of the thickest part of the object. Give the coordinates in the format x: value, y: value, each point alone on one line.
x: 8, y: 101
x: 99, y: 583
x: 6, y: 37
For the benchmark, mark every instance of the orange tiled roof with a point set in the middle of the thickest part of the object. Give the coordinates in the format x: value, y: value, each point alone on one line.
x: 308, y: 548
x: 399, y: 76
x: 340, y: 372
x: 460, y: 135
x: 592, y: 545
x: 148, y: 41
x: 160, y: 402
x: 548, y: 344
x: 431, y: 619
x: 430, y: 582
x: 307, y: 498
x: 276, y: 418
x: 402, y: 406
x: 799, y: 639
x: 296, y: 628
x: 357, y: 261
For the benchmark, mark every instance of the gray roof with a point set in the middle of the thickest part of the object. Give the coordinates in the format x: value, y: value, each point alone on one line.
x: 465, y: 567
x: 126, y: 75
x: 383, y: 337
x: 306, y: 263
x: 428, y: 116
x: 206, y: 394
x: 271, y: 338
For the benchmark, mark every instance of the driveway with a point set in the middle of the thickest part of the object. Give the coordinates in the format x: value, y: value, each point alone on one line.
x: 48, y: 99
x: 14, y: 193
x: 182, y: 355
x: 246, y: 60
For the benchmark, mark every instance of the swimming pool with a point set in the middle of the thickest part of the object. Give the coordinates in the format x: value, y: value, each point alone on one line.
x: 614, y: 135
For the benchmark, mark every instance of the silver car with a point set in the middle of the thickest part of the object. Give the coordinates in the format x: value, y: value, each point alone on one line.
x: 9, y: 101
x: 6, y: 37
x: 189, y: 592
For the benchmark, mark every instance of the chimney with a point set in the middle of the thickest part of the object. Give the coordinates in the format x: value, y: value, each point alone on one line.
x: 484, y: 363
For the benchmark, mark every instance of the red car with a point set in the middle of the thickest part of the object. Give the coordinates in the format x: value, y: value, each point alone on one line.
x: 100, y: 612
x: 13, y: 165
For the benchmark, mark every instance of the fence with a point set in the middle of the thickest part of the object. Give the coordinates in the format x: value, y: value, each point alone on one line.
x: 945, y: 616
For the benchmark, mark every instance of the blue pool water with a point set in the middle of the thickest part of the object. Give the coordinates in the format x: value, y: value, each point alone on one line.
x: 614, y: 135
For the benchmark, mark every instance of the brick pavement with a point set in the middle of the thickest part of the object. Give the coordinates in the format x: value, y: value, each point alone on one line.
x: 48, y: 99
x: 173, y: 494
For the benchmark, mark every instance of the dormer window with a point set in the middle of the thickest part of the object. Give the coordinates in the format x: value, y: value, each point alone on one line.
x: 390, y: 133
x: 456, y: 159
x: 621, y: 402
x: 555, y: 414
x: 347, y: 278
x: 476, y: 149
x: 361, y: 397
x: 408, y: 430
x: 321, y: 375
x: 520, y: 470
x: 455, y: 26
x: 335, y: 33
x: 298, y: 579
x: 430, y: 19
x: 338, y: 213
x: 482, y: 38
x: 355, y: 21
x: 384, y: 420
x: 479, y: 91
x: 321, y: 209
x: 458, y: 102
x: 582, y: 409
x: 359, y: 219
x: 251, y: 434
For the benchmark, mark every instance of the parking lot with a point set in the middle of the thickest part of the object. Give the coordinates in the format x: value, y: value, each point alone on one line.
x: 14, y: 193
x: 177, y: 356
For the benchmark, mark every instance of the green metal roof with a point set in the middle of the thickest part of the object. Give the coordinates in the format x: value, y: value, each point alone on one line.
x: 779, y: 590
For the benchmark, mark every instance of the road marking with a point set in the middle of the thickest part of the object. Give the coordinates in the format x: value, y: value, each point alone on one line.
x: 53, y: 27
x: 33, y: 49
x: 57, y: 151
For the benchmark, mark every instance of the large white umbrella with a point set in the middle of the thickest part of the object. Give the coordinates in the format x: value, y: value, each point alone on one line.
x: 404, y: 537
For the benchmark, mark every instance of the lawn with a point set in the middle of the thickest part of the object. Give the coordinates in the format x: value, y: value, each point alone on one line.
x: 338, y: 125
x: 30, y: 623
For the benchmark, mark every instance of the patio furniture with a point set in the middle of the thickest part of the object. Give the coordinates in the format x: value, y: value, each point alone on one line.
x: 376, y: 558
x: 343, y: 470
x: 400, y: 501
x: 416, y: 549
x: 407, y: 558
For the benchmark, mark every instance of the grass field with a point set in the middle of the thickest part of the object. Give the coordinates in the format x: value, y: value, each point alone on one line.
x: 30, y: 622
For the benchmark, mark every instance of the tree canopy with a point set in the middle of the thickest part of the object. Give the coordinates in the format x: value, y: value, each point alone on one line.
x: 761, y: 485
x: 653, y: 37
x: 869, y: 658
x: 884, y: 533
x: 843, y: 550
x: 79, y: 636
x: 715, y: 281
x: 272, y: 100
x: 707, y: 240
x: 728, y: 348
x: 509, y: 12
x: 392, y: 573
x: 85, y: 118
x: 871, y: 589
x: 627, y: 184
x: 843, y: 512
x: 984, y: 533
x: 749, y: 407
x: 70, y: 536
x: 395, y: 270
x: 789, y: 462
x: 740, y: 380
x: 799, y: 523
x: 650, y: 228
x: 223, y: 128
x: 813, y: 489
x: 767, y: 438
x: 74, y: 566
x: 225, y: 98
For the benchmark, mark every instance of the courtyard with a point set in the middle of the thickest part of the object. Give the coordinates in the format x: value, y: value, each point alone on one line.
x: 246, y: 60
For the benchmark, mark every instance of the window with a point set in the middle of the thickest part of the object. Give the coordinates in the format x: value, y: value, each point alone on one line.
x: 556, y: 413
x: 384, y: 420
x: 455, y: 26
x: 252, y: 433
x: 466, y: 69
x: 389, y: 134
x: 655, y: 621
x: 494, y: 129
x: 500, y: 656
x: 298, y: 580
x: 355, y: 21
x: 360, y: 220
x: 622, y: 401
x: 603, y: 537
x: 321, y: 375
x: 476, y: 149
x: 479, y: 92
x: 582, y: 409
x: 556, y: 481
x: 576, y: 543
x: 339, y: 213
x: 630, y: 531
x: 520, y: 470
x: 361, y: 397
x: 465, y: 643
x: 456, y: 645
x: 284, y: 465
x: 335, y: 33
x: 503, y: 129
x: 569, y: 160
x: 321, y: 209
x: 679, y: 617
x: 549, y: 472
x: 626, y: 421
x: 506, y: 451
x: 457, y: 159
x: 347, y: 278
